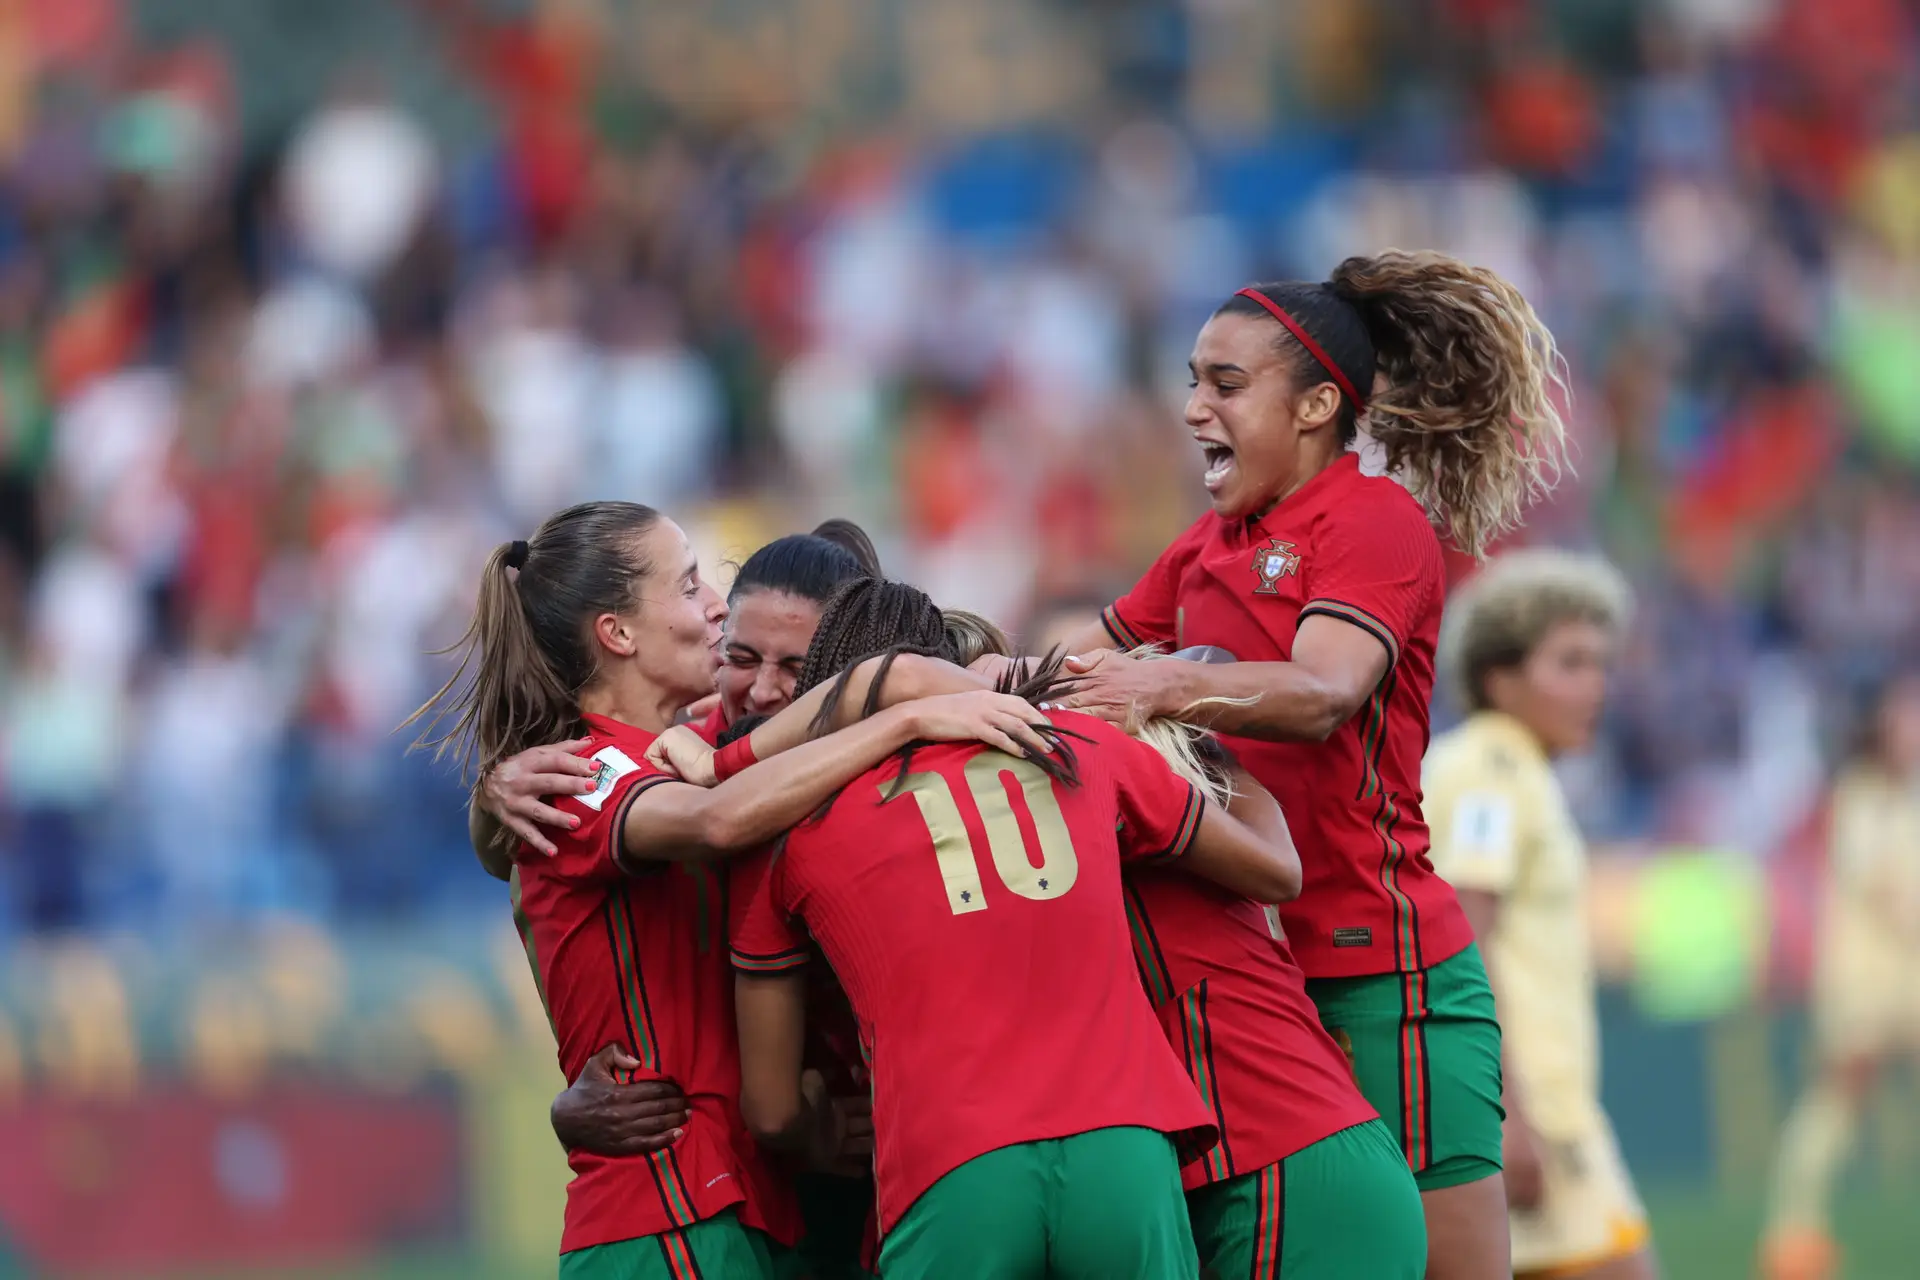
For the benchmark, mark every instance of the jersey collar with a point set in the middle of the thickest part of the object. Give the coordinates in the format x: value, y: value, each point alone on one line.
x: 1341, y: 469
x: 616, y: 730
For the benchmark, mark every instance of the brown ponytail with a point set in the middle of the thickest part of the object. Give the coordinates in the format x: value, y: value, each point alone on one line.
x: 1453, y: 371
x: 528, y: 647
x: 1467, y: 414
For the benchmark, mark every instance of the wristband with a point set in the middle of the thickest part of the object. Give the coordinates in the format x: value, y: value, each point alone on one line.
x: 733, y: 757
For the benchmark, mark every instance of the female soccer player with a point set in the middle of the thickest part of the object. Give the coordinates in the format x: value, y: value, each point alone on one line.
x: 1013, y: 1096
x: 1865, y: 1002
x: 601, y: 623
x: 1327, y: 585
x: 1528, y: 644
x: 773, y: 607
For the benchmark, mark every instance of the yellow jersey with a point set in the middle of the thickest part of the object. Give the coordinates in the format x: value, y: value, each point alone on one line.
x: 1500, y: 824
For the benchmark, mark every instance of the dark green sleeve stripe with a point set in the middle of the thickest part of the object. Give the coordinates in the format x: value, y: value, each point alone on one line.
x: 1117, y: 627
x: 1189, y: 827
x: 1360, y: 618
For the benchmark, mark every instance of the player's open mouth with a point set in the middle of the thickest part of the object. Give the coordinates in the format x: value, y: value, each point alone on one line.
x: 1219, y: 465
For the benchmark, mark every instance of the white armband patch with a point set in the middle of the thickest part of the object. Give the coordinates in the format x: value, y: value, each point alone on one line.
x: 615, y: 764
x: 1482, y: 833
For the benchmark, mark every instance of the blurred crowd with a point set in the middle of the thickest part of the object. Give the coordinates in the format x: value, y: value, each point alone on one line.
x: 278, y: 367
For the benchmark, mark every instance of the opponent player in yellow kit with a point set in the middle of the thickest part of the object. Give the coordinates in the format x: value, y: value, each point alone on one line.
x: 1866, y: 1003
x: 1528, y: 643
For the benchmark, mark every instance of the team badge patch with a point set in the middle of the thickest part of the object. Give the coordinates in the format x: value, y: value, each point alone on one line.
x: 614, y: 764
x: 1273, y: 563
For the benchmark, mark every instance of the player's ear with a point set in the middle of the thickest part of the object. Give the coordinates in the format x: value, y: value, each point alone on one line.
x: 615, y: 634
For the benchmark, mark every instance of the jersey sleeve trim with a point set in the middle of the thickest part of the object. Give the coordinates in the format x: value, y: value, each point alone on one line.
x: 1360, y: 618
x: 1189, y: 828
x: 1125, y: 636
x: 619, y: 824
x: 777, y: 962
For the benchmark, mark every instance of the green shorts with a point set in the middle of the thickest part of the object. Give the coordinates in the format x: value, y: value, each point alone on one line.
x: 1096, y: 1205
x: 1426, y: 1053
x: 713, y: 1247
x: 1345, y: 1206
x: 835, y: 1211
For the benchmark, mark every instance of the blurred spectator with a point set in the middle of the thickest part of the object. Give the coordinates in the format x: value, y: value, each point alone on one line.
x: 271, y: 387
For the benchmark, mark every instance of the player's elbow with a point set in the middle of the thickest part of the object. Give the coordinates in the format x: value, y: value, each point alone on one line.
x: 771, y: 1115
x: 1328, y: 706
x: 1278, y: 877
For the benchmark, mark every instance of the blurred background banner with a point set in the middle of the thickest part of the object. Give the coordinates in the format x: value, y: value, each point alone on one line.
x: 305, y: 307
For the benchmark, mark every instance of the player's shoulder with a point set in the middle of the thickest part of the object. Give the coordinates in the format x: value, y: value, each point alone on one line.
x: 1484, y: 751
x: 1376, y: 500
x: 620, y: 753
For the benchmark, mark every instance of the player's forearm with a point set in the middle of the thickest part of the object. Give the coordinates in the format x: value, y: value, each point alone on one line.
x: 909, y: 676
x: 485, y: 833
x: 762, y: 802
x: 1283, y: 701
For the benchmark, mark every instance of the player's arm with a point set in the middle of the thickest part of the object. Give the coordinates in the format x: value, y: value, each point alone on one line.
x: 664, y: 818
x: 1335, y: 668
x: 1247, y: 848
x: 909, y: 678
x: 1373, y: 574
x: 1244, y: 848
x: 771, y: 1009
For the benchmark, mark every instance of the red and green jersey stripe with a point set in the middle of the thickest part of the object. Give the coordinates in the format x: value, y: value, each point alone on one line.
x: 1386, y: 817
x: 1197, y: 1032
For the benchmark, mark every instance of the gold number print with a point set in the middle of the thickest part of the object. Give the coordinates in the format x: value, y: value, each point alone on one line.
x: 953, y: 850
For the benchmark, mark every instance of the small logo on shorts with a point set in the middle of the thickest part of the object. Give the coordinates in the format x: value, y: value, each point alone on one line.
x: 1353, y: 937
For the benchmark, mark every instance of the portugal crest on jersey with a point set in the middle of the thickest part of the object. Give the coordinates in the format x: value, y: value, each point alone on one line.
x: 1273, y: 563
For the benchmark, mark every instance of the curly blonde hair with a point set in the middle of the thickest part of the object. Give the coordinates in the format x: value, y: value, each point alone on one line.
x: 1501, y: 614
x: 1457, y: 374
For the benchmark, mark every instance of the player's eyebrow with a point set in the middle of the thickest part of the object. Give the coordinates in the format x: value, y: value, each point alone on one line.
x: 736, y: 647
x: 1215, y: 369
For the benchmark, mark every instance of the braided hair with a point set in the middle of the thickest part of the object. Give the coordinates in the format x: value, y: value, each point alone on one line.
x: 872, y: 617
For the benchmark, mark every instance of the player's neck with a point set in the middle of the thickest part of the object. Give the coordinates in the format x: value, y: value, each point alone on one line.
x: 635, y: 702
x: 1318, y: 451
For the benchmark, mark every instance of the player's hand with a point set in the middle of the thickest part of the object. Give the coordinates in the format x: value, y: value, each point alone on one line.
x: 685, y: 754
x: 842, y: 1138
x: 1000, y: 720
x: 515, y: 790
x: 1118, y: 689
x: 700, y: 710
x: 598, y: 1114
x: 1524, y: 1168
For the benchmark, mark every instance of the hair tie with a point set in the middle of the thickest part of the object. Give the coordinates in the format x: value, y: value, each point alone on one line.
x: 1314, y: 349
x: 517, y: 554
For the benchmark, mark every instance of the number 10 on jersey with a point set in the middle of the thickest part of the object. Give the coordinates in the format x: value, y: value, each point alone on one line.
x: 1007, y: 844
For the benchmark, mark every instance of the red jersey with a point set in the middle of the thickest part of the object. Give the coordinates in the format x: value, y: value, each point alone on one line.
x: 977, y: 924
x: 1235, y: 1007
x: 1357, y: 548
x: 641, y: 961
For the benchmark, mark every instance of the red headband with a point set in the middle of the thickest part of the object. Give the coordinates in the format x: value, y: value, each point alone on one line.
x: 1314, y: 349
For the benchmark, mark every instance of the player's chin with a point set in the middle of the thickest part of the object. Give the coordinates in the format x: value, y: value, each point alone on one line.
x: 1233, y: 501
